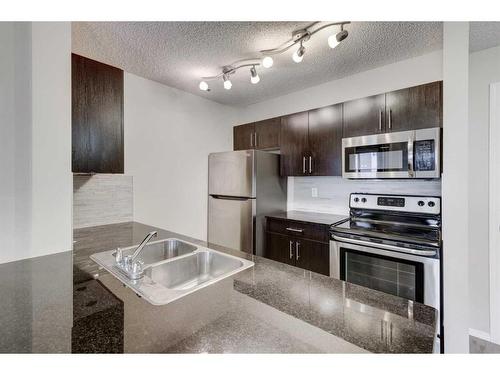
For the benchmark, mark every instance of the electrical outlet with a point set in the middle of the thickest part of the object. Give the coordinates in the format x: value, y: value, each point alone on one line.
x: 314, y: 192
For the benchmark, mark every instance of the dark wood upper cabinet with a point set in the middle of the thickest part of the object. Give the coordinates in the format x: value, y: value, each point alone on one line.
x: 294, y: 144
x: 364, y: 116
x: 243, y: 137
x: 260, y: 135
x: 416, y: 107
x: 267, y: 134
x: 97, y: 117
x: 325, y: 141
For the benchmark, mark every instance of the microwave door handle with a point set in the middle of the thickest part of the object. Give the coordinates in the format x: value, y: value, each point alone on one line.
x: 411, y: 172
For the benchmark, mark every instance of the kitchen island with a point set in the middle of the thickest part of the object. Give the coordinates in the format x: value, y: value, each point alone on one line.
x: 273, y: 308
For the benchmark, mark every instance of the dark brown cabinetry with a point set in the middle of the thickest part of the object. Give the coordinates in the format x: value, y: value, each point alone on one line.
x: 325, y: 141
x: 311, y: 142
x: 97, y: 117
x: 364, y: 116
x: 294, y: 144
x: 260, y: 135
x: 416, y: 107
x: 299, y: 244
x: 411, y: 108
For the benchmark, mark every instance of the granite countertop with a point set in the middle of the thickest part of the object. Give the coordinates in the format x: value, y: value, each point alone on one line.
x: 308, y: 217
x: 273, y: 307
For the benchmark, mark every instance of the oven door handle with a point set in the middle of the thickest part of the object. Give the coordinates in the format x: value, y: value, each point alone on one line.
x: 428, y: 253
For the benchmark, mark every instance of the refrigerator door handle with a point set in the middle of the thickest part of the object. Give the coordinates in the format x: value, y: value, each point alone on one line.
x: 229, y: 197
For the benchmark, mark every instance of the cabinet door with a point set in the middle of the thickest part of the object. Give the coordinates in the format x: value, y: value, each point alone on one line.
x: 97, y: 117
x: 280, y: 248
x: 267, y: 134
x: 325, y: 141
x: 243, y: 137
x: 364, y: 116
x: 416, y: 107
x: 294, y: 144
x: 316, y: 256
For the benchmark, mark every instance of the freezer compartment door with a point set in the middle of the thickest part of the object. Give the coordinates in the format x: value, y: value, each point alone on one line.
x: 231, y: 222
x: 231, y: 174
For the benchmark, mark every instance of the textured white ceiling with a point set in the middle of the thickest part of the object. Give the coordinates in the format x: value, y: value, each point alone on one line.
x: 179, y: 53
x: 484, y: 35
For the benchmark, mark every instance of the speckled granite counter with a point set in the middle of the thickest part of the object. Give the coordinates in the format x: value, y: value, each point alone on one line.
x: 308, y: 217
x: 273, y: 308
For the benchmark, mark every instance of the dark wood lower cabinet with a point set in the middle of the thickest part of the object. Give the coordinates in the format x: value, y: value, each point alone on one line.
x: 297, y: 251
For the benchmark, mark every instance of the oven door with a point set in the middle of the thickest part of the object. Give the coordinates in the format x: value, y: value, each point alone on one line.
x: 405, y: 275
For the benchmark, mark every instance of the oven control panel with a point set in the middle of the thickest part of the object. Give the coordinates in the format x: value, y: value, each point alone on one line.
x: 409, y: 203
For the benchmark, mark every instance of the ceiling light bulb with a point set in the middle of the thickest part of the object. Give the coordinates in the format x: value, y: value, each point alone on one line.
x: 298, y: 55
x: 267, y: 62
x: 332, y: 41
x: 254, y: 77
x: 227, y: 82
x: 203, y: 86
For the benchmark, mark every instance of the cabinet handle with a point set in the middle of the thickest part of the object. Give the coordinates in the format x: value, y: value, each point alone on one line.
x: 295, y: 230
x: 291, y: 250
x: 297, y: 246
x: 251, y: 139
x: 310, y: 164
x: 255, y: 139
x: 380, y: 120
x: 303, y: 164
x: 390, y: 118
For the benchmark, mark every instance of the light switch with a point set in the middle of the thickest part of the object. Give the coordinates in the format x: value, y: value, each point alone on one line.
x: 314, y: 192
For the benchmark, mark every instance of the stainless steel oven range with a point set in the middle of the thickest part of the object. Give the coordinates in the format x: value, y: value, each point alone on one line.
x: 391, y: 243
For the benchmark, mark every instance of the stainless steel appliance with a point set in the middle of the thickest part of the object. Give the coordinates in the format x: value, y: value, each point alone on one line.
x: 407, y: 154
x: 390, y: 243
x: 243, y: 187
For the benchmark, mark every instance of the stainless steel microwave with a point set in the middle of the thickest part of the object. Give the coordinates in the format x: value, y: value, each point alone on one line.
x: 408, y: 154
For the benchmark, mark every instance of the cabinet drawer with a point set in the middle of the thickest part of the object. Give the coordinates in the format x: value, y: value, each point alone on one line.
x: 310, y: 231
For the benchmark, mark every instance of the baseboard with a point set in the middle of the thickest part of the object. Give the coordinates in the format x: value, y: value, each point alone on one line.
x: 480, y: 334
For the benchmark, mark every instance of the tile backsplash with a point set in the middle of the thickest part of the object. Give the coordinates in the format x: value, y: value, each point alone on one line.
x: 333, y: 192
x: 102, y: 199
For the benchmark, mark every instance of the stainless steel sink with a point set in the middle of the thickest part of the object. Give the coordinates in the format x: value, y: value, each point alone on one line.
x: 193, y: 270
x: 158, y: 251
x: 173, y: 269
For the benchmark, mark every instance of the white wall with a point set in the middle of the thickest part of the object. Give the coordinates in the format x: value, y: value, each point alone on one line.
x: 52, y: 179
x: 168, y: 136
x: 406, y: 73
x: 484, y: 68
x: 455, y: 203
x: 36, y: 139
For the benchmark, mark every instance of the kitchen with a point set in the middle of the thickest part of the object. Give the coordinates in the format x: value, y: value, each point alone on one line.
x: 263, y: 215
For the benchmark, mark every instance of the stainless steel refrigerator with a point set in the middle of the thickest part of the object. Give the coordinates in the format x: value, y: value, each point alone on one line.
x: 243, y: 187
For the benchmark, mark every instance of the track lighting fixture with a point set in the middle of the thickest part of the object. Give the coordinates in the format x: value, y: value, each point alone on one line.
x: 267, y: 62
x: 254, y: 77
x: 227, y: 82
x: 299, y: 37
x: 298, y: 55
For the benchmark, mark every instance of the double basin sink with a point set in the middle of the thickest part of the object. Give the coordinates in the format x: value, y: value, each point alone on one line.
x: 173, y: 269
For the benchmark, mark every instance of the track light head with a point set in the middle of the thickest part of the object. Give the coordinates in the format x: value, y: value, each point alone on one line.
x: 298, y: 55
x: 227, y: 82
x: 341, y: 35
x: 334, y: 40
x: 254, y: 77
x: 204, y: 86
x: 267, y: 62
